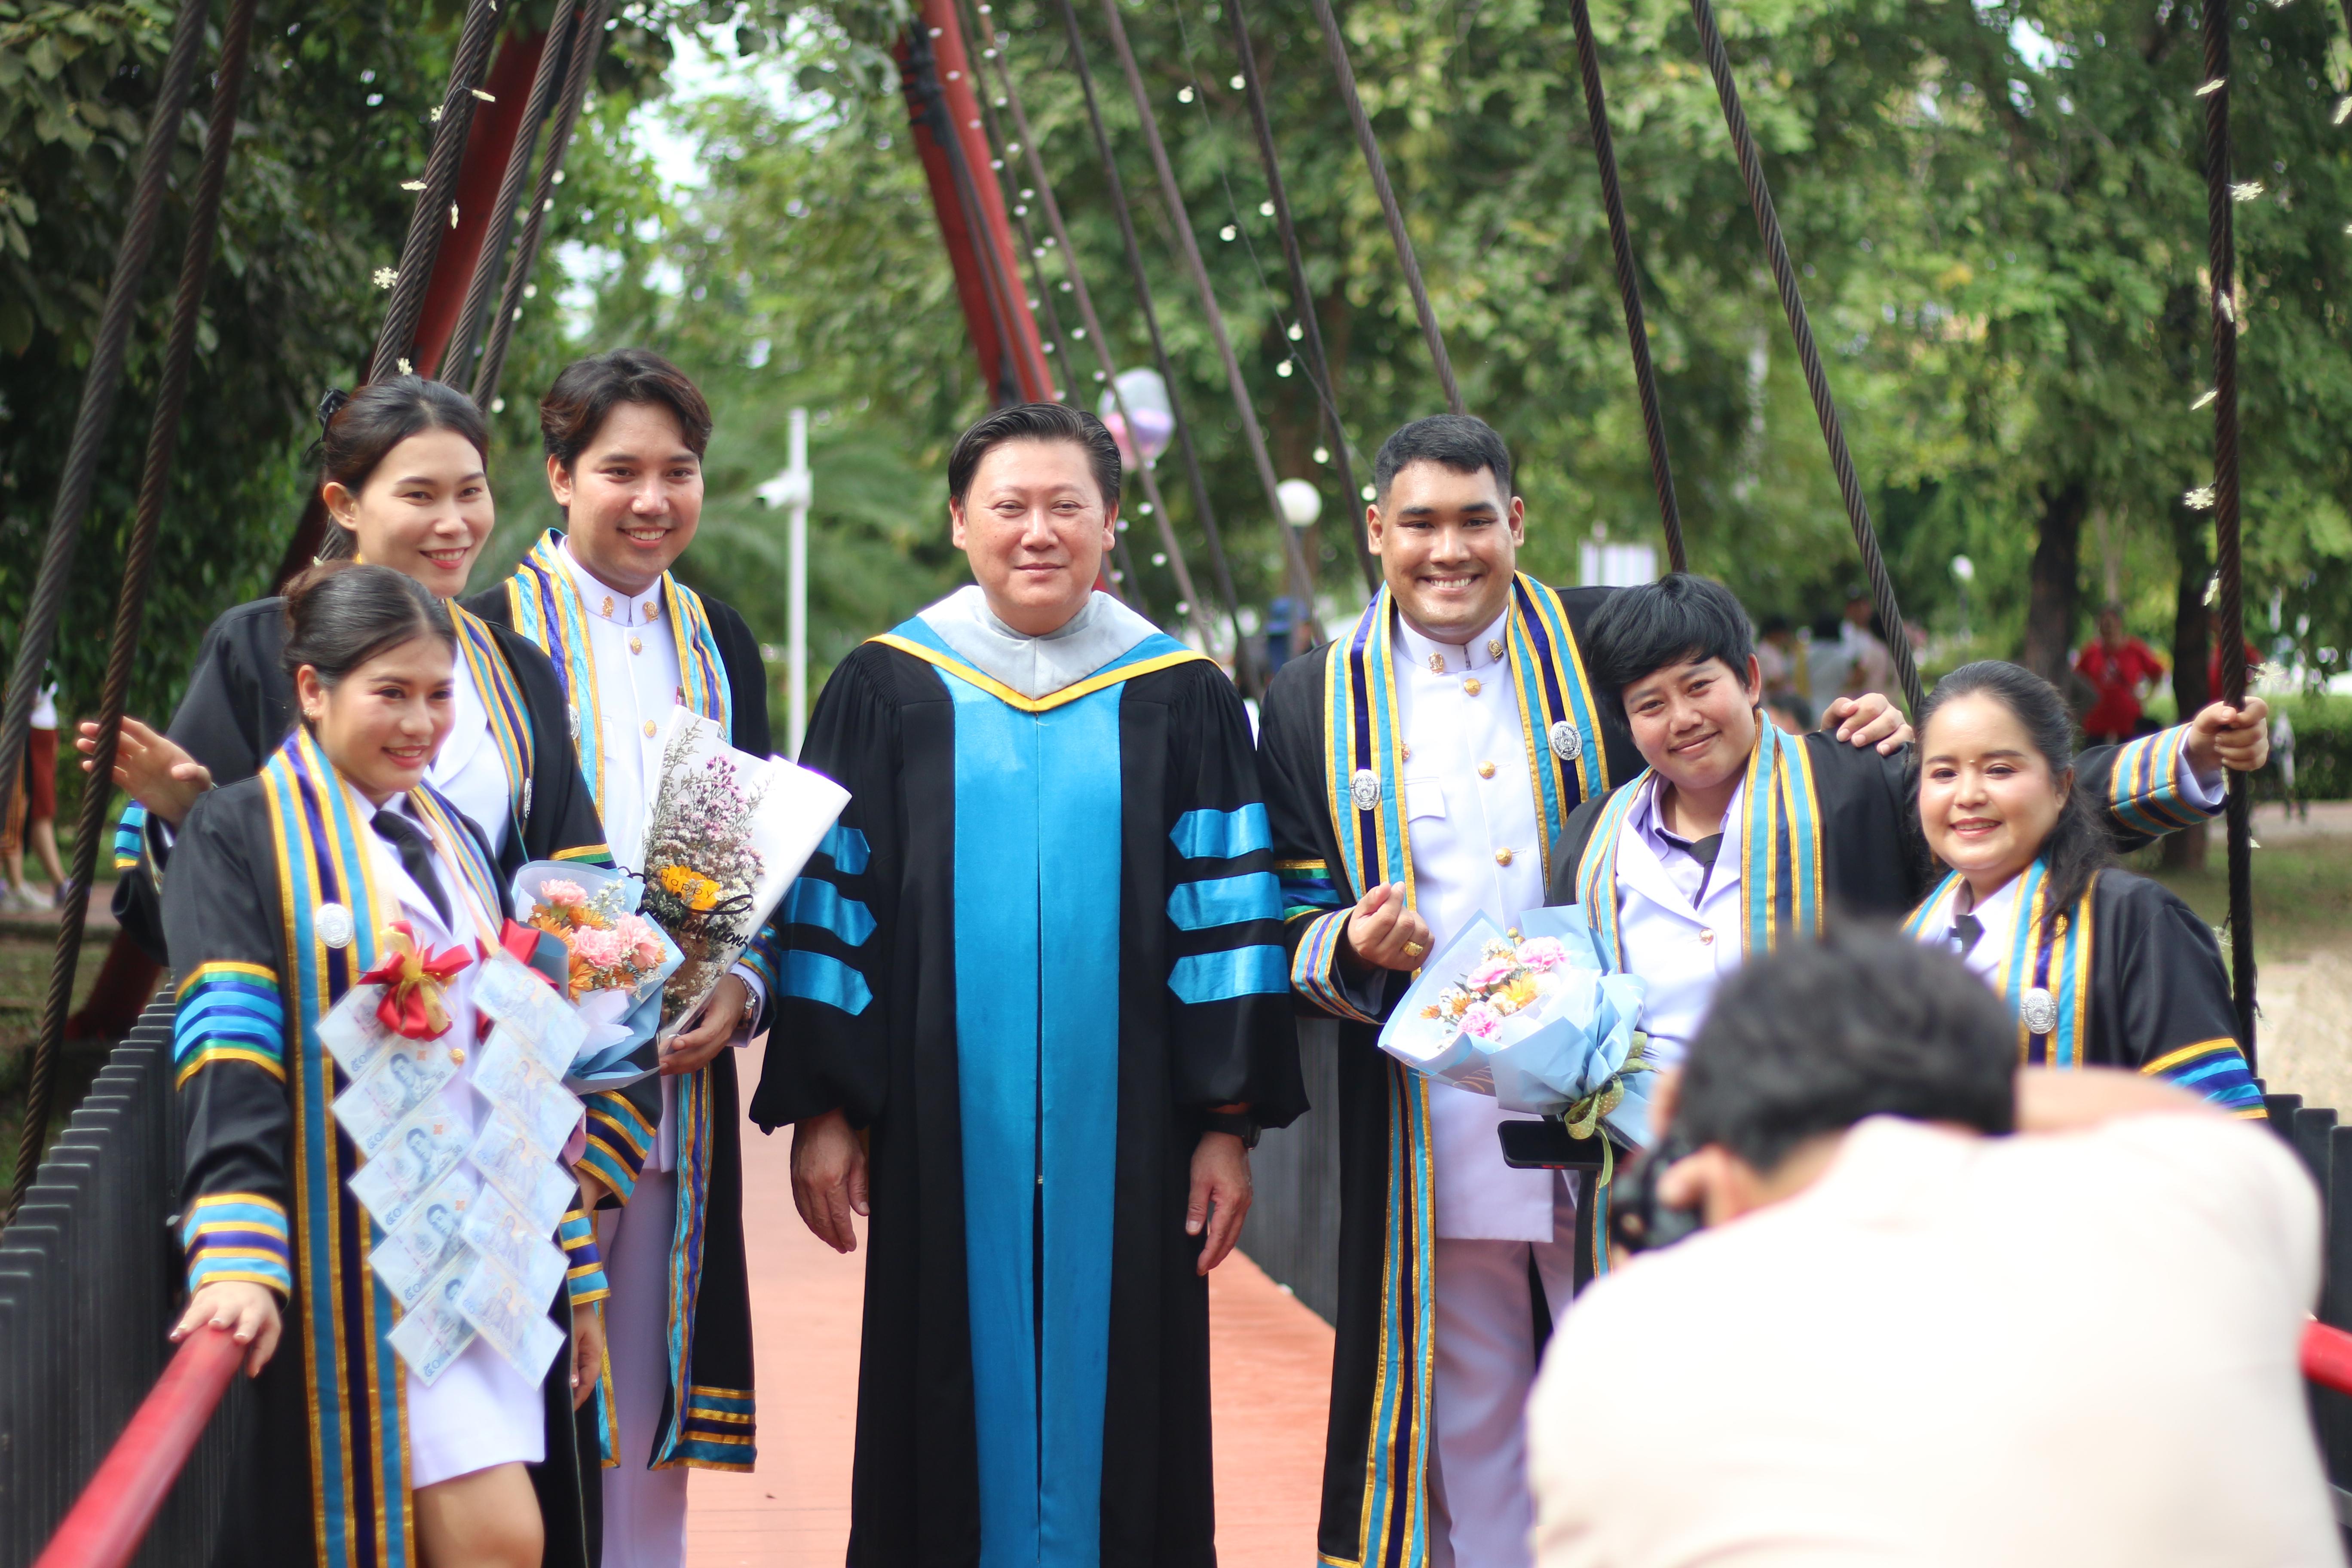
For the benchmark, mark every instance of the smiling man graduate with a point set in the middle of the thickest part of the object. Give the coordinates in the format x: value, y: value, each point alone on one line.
x: 1033, y: 1012
x: 1417, y: 771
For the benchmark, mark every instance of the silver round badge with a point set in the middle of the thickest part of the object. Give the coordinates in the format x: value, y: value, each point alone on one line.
x: 1364, y: 789
x: 2038, y: 1010
x: 332, y: 923
x: 1567, y: 742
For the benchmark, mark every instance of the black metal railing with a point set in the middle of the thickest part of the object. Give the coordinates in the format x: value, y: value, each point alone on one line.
x: 89, y: 1279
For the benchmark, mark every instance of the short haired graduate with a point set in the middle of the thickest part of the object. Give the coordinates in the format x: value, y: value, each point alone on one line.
x: 1738, y: 836
x: 1417, y: 771
x: 1034, y: 1011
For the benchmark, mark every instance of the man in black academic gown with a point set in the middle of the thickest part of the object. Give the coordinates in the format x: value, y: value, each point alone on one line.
x: 1033, y: 1004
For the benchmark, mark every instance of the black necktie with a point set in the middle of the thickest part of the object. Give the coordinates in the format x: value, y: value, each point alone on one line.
x: 1964, y: 932
x: 1704, y: 851
x: 416, y: 856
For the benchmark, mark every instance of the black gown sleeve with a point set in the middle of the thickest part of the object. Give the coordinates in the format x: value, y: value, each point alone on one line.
x: 2166, y: 993
x: 229, y: 1044
x: 1315, y: 903
x: 2142, y: 787
x: 828, y: 1045
x: 1231, y: 1035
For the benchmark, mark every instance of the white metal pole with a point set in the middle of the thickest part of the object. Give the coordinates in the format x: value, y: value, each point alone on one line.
x: 797, y: 706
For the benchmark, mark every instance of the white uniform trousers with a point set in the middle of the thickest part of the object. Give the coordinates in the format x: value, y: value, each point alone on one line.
x: 1480, y: 1511
x: 644, y: 1509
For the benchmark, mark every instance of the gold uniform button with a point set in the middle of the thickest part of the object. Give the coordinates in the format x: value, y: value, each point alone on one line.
x: 1706, y: 939
x: 1471, y: 685
x: 458, y: 1055
x: 649, y: 729
x: 1502, y: 856
x: 636, y: 644
x: 1408, y: 752
x: 1485, y: 770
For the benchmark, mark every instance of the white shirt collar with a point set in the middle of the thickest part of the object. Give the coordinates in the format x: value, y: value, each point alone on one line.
x: 1036, y: 667
x: 1486, y: 647
x: 609, y: 604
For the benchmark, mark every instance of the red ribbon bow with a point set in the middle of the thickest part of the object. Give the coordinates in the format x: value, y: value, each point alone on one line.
x: 413, y: 984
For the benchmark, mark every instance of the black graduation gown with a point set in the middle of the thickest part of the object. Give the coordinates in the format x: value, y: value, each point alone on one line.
x: 870, y: 1026
x: 240, y: 703
x: 253, y: 1096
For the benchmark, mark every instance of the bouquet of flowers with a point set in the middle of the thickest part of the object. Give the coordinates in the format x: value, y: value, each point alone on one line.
x: 727, y: 835
x: 614, y: 960
x: 1528, y: 1016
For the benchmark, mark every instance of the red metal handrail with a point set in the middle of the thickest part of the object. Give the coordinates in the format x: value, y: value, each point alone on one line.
x: 2327, y: 1357
x: 113, y: 1514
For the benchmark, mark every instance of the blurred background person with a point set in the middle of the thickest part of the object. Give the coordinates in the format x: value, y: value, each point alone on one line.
x: 34, y: 811
x: 2122, y: 670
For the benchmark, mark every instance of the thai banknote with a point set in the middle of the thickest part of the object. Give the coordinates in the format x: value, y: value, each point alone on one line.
x: 407, y: 1258
x: 538, y: 1102
x: 515, y: 995
x: 425, y: 1147
x: 534, y: 1184
x: 405, y: 1073
x: 352, y: 1032
x: 435, y: 1332
x: 517, y: 1327
x: 497, y: 1229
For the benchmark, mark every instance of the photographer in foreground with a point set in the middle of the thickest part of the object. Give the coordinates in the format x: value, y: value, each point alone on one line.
x: 1905, y: 1336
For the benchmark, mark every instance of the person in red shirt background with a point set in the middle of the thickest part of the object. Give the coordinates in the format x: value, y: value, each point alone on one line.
x: 2121, y: 668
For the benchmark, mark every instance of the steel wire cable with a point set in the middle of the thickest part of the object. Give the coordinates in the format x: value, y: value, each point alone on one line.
x: 131, y: 603
x: 579, y: 73
x: 2221, y: 261
x: 1106, y: 371
x: 546, y: 80
x: 1246, y: 671
x: 929, y: 96
x: 436, y: 204
x: 1187, y: 245
x: 1792, y: 303
x: 1344, y: 73
x: 100, y: 386
x: 1629, y: 284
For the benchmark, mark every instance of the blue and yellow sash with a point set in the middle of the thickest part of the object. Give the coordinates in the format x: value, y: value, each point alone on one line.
x: 547, y: 609
x: 2051, y: 955
x: 1779, y: 848
x: 1364, y: 757
x: 502, y: 698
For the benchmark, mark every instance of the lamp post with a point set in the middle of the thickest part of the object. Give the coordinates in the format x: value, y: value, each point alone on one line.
x: 791, y: 490
x: 1964, y: 571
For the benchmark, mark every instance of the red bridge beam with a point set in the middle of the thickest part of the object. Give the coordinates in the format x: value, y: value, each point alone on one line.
x: 112, y: 1517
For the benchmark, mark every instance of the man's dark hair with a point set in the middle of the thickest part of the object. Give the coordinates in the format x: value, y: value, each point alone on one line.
x: 1036, y: 422
x: 1461, y: 442
x: 586, y: 392
x: 1820, y: 1034
x: 1678, y: 619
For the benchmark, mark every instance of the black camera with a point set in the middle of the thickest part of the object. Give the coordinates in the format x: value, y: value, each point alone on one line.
x: 1638, y: 1221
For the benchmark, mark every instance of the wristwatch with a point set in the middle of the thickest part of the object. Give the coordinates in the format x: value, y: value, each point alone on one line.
x: 1240, y: 1124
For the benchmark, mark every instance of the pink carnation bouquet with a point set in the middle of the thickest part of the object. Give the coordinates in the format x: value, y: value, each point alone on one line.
x: 615, y: 961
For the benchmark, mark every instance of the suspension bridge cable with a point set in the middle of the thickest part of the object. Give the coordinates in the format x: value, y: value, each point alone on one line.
x: 1107, y: 372
x: 1063, y: 364
x: 1335, y: 46
x: 1784, y: 274
x: 1310, y: 332
x: 2222, y: 264
x: 1246, y: 663
x: 1629, y: 284
x: 1302, y: 577
x: 579, y: 71
x: 546, y: 83
x: 131, y: 603
x: 928, y: 100
x: 436, y: 209
x: 98, y: 388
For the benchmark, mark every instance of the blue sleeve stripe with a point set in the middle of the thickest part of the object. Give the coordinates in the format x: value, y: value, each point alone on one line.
x: 1225, y: 901
x: 813, y: 901
x: 2214, y: 1068
x: 820, y: 977
x: 130, y: 836
x: 1222, y: 835
x: 1314, y: 964
x: 237, y: 1236
x: 1260, y: 970
x: 848, y: 849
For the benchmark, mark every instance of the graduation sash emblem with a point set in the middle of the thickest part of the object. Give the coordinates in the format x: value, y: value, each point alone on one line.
x: 2045, y: 975
x: 547, y: 609
x: 1364, y: 758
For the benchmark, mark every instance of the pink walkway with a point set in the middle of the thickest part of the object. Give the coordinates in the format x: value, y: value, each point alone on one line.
x: 1272, y: 1366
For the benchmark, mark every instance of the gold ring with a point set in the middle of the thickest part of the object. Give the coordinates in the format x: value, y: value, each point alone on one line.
x: 1414, y: 950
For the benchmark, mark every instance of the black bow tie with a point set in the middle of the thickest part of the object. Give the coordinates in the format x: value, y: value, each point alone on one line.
x: 416, y: 856
x: 1964, y: 932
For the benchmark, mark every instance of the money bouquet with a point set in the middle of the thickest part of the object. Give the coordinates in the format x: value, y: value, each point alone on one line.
x: 727, y: 835
x: 1529, y: 1015
x: 465, y: 1201
x: 615, y: 964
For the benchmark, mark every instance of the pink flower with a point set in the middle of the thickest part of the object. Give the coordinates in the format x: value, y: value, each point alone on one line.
x: 645, y: 943
x: 1483, y: 1021
x: 561, y: 894
x: 601, y: 949
x: 1542, y: 952
x: 1491, y: 973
